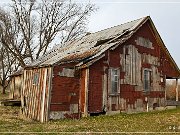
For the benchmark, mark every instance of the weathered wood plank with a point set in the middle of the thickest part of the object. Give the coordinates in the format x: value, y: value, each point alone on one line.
x: 43, y: 96
x: 86, y: 92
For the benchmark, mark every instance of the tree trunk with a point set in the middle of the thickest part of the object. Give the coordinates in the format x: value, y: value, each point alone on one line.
x: 3, y: 90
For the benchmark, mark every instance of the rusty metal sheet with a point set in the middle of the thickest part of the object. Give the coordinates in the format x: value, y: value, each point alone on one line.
x: 87, y: 46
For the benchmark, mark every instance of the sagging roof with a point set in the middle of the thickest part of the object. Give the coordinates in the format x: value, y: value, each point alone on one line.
x: 90, y: 47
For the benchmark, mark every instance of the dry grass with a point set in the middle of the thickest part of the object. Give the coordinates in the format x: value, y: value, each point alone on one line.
x: 11, y: 120
x: 3, y: 96
x: 159, y: 121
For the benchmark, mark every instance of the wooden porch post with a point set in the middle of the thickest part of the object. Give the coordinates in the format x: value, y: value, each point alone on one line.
x: 177, y: 89
x: 86, y: 92
x: 165, y: 92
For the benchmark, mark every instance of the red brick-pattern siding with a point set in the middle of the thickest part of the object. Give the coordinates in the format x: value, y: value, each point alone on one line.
x: 95, y: 87
x: 112, y: 59
x: 96, y: 72
x: 128, y: 91
x: 146, y: 32
x: 166, y: 66
x: 63, y: 89
x: 165, y: 63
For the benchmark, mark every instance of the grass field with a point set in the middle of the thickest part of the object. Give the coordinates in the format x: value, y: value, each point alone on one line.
x: 158, y: 121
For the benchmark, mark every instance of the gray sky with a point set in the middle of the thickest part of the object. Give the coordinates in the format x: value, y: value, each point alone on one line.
x: 164, y: 13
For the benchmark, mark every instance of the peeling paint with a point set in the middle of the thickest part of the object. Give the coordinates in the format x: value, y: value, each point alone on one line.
x: 129, y: 50
x: 67, y: 72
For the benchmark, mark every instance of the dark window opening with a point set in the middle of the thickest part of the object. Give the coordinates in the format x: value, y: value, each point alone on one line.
x: 147, y: 80
x: 36, y: 79
x: 114, y: 80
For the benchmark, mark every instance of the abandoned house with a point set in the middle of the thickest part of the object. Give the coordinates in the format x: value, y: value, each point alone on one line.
x: 119, y: 69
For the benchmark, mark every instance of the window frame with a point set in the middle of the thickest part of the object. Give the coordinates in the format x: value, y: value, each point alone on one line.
x: 116, y: 81
x: 36, y: 78
x: 147, y: 80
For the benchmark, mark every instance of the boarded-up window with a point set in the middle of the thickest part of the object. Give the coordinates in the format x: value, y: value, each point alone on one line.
x: 147, y: 80
x: 114, y: 80
x: 68, y: 72
x: 36, y: 79
x: 144, y: 42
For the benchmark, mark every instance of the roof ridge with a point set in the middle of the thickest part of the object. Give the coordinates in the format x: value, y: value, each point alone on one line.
x: 85, y: 44
x: 117, y: 25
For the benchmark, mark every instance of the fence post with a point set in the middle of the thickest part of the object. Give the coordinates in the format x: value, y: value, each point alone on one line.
x: 177, y: 89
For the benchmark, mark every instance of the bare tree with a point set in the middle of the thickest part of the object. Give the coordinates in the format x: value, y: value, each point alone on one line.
x: 171, y: 90
x: 9, y: 37
x: 34, y: 26
x: 31, y: 27
x: 6, y: 62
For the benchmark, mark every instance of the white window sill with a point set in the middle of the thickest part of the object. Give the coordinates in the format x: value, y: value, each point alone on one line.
x: 114, y: 94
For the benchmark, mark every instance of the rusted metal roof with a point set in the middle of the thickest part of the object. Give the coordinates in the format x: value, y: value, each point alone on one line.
x: 90, y: 48
x: 87, y: 47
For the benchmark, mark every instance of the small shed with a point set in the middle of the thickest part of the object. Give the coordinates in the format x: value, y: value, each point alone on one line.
x: 119, y: 69
x: 15, y: 84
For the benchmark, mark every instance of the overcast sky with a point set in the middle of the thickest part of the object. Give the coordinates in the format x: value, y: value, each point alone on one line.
x: 164, y: 13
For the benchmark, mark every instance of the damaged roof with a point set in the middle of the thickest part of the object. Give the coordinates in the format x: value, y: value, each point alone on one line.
x: 91, y: 47
x: 87, y: 47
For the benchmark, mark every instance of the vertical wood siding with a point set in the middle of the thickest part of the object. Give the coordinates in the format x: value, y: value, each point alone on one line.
x: 35, y: 97
x: 15, y: 87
